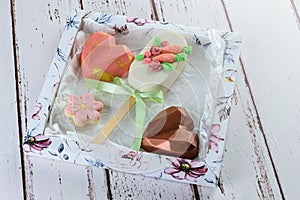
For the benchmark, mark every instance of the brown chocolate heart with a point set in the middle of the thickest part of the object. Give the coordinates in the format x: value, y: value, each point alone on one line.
x: 171, y: 133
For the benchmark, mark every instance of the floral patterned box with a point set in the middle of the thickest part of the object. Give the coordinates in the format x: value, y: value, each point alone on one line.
x: 223, y: 50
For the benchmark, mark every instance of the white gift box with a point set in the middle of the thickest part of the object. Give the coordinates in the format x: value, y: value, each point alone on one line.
x: 216, y: 56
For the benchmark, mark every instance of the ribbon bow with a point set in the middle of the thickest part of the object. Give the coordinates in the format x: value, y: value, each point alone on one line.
x: 121, y: 87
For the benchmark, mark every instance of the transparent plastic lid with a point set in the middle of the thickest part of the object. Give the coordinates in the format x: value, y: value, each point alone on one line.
x: 193, y: 90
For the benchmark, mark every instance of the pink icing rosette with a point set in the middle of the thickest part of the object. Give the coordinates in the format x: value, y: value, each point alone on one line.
x: 83, y: 109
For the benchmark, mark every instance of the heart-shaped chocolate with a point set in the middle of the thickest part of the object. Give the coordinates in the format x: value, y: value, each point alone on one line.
x: 102, y: 59
x: 171, y: 133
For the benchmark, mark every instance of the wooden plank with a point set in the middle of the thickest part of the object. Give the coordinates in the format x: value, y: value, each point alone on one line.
x: 247, y: 172
x: 38, y: 31
x: 10, y: 159
x: 206, y: 14
x: 246, y: 151
x: 272, y: 66
x: 131, y: 186
x: 60, y: 180
x: 120, y: 7
x: 37, y: 34
x: 128, y: 186
x: 295, y: 4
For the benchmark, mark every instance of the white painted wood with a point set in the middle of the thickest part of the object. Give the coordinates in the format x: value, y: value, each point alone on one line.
x: 295, y: 4
x: 121, y: 7
x: 59, y: 180
x: 10, y: 160
x: 38, y: 31
x: 271, y: 53
x: 127, y: 186
x: 206, y: 14
x: 246, y: 152
x: 247, y: 172
x: 39, y: 26
x: 271, y: 44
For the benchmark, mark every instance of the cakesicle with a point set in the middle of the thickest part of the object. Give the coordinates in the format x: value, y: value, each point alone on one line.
x: 143, y: 79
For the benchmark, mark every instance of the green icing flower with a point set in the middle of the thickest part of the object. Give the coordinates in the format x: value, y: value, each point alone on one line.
x: 157, y: 41
x: 140, y: 57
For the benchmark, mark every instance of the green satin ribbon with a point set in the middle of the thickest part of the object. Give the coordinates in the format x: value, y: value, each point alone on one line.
x: 120, y: 86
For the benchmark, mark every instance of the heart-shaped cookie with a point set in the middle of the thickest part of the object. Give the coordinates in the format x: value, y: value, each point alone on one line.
x: 102, y: 59
x: 171, y: 133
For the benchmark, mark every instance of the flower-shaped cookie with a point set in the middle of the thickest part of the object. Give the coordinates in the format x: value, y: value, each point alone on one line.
x: 83, y: 109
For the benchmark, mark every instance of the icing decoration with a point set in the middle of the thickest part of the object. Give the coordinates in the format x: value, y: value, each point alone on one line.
x: 101, y: 52
x: 164, y: 53
x: 140, y: 57
x: 168, y: 66
x: 147, y: 61
x: 83, y: 109
x: 142, y: 78
x: 122, y: 88
x: 148, y: 54
x: 187, y: 49
x: 155, y: 50
x: 180, y: 57
x: 165, y: 43
x: 165, y: 57
x: 175, y: 49
x: 171, y: 133
x: 157, y: 41
x: 155, y: 66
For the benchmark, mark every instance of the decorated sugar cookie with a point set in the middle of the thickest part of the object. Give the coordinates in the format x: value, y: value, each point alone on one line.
x: 83, y: 110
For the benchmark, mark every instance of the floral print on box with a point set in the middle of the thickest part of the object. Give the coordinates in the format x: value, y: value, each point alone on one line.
x: 186, y: 169
x: 36, y: 144
x: 214, y: 138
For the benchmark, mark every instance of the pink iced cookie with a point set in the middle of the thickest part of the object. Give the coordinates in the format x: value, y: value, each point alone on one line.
x: 83, y: 110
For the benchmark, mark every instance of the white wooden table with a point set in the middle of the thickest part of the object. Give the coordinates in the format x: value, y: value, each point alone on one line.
x: 262, y: 156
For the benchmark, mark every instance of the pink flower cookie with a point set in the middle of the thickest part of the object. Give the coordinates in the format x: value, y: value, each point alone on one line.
x: 83, y: 110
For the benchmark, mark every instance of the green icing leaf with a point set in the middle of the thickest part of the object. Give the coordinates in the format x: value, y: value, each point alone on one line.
x: 168, y: 66
x: 140, y: 57
x: 187, y: 49
x: 157, y: 41
x: 180, y: 57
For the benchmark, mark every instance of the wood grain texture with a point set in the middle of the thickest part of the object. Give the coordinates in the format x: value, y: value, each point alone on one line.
x: 246, y: 150
x: 60, y: 180
x: 295, y: 4
x: 206, y: 14
x: 38, y: 32
x: 262, y: 147
x: 274, y: 80
x: 10, y: 159
x: 120, y: 7
x: 130, y: 186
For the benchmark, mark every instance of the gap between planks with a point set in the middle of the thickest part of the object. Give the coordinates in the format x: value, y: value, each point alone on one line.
x: 18, y: 97
x: 253, y: 101
x: 294, y: 8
